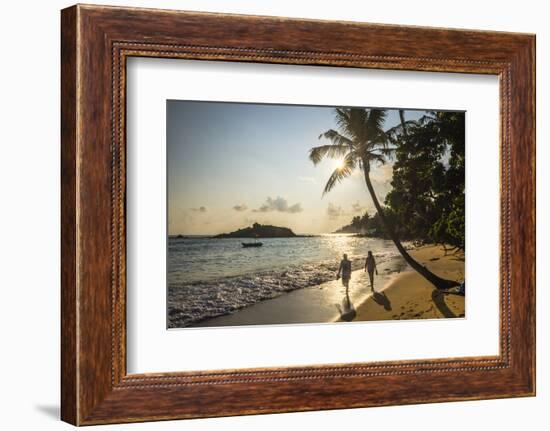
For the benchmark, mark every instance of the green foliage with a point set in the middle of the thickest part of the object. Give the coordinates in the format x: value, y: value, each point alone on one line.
x: 427, y: 196
x: 374, y: 226
x: 426, y: 202
x: 420, y: 169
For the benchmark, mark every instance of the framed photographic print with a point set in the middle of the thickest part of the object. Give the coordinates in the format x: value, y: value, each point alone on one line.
x: 264, y: 214
x: 262, y: 273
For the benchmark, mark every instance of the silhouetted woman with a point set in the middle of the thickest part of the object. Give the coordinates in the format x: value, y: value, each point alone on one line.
x: 345, y: 270
x: 370, y: 266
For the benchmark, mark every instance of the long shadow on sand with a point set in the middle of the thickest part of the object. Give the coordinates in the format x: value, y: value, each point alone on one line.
x: 347, y: 310
x: 381, y: 299
x: 438, y: 298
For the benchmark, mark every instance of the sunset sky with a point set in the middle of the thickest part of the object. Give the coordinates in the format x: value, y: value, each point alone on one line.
x: 231, y: 164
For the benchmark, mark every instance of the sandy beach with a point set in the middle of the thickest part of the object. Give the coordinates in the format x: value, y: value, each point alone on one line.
x: 251, y: 241
x: 410, y: 296
x: 400, y: 293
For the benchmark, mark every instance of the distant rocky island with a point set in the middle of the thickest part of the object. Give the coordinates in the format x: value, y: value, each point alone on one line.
x: 259, y: 231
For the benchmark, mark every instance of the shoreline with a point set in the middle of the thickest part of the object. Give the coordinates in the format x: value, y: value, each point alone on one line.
x: 298, y: 235
x: 201, y: 288
x: 320, y: 303
x: 400, y: 294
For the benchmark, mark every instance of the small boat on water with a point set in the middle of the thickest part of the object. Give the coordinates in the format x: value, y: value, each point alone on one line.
x: 252, y: 244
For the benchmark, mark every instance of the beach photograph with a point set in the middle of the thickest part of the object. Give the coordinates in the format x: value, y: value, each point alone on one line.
x: 296, y: 214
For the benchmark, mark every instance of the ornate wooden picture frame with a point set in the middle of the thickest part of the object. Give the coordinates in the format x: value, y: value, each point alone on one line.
x: 96, y: 41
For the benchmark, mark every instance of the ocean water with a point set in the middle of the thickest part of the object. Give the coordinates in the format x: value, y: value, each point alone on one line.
x: 210, y: 277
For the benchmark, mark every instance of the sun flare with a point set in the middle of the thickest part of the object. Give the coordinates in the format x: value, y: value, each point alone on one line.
x: 339, y: 164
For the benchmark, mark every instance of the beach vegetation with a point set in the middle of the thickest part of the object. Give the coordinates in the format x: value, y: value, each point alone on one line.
x: 359, y: 142
x: 427, y: 194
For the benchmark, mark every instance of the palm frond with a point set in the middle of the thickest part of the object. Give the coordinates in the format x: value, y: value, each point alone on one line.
x: 380, y: 148
x: 359, y: 137
x: 378, y: 158
x: 386, y: 151
x: 348, y: 165
x: 343, y: 118
x: 336, y: 138
x: 397, y: 130
x: 357, y: 124
x: 376, y: 119
x: 316, y: 154
x: 429, y: 116
x: 379, y: 139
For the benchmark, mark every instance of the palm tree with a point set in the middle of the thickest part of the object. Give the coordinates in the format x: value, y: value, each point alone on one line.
x: 359, y: 142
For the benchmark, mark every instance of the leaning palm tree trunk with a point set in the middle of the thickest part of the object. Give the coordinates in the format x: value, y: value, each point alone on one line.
x: 437, y: 281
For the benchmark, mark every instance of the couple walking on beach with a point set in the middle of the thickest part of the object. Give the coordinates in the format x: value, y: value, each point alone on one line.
x: 345, y: 270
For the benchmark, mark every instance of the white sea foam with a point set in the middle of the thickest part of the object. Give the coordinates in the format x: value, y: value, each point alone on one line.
x: 193, y: 298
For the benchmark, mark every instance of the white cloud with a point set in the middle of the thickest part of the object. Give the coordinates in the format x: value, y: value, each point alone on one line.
x: 279, y: 204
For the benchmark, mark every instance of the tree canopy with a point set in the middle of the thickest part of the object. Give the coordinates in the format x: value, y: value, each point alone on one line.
x: 427, y: 196
x: 361, y: 141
